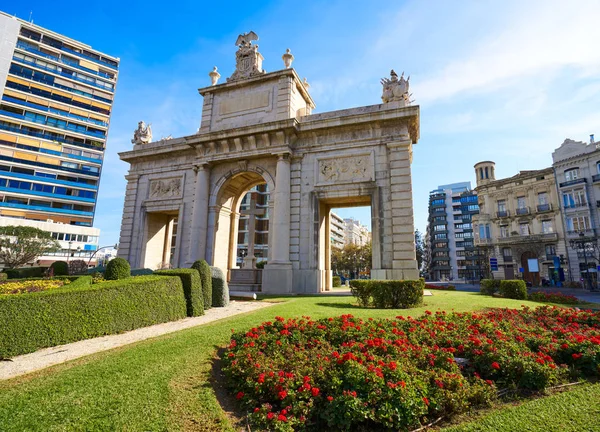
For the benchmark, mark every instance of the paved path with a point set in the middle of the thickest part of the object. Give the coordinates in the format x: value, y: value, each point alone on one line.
x: 46, y: 357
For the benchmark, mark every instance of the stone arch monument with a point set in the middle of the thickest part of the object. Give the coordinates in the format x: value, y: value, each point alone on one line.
x: 183, y: 195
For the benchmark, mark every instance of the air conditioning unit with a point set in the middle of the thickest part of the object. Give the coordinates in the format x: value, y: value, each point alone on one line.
x: 49, y: 220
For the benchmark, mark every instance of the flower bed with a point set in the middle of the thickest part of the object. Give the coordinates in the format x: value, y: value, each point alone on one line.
x: 349, y: 374
x: 554, y: 297
x: 29, y: 286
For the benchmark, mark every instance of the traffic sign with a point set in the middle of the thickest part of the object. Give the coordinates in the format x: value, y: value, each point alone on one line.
x: 494, y: 264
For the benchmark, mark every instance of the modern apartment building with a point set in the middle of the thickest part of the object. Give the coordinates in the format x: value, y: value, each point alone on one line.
x: 577, y: 169
x: 356, y: 233
x: 336, y: 230
x: 255, y: 202
x: 519, y: 224
x: 57, y: 96
x: 449, y: 238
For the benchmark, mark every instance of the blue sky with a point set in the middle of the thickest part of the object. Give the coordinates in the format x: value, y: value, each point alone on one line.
x: 496, y: 80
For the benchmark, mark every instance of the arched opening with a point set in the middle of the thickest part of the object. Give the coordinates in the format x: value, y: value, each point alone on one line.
x: 241, y: 228
x: 481, y: 173
x: 487, y: 176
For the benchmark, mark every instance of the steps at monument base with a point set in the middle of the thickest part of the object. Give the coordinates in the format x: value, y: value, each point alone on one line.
x: 236, y: 286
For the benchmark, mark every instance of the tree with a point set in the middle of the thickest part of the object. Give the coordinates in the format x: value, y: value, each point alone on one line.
x: 20, y: 245
x: 352, y: 259
x: 419, y: 248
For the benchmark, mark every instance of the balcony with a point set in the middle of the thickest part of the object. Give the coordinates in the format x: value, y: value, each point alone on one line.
x: 541, y: 208
x: 532, y: 238
x: 572, y: 182
x: 575, y: 205
x: 576, y: 233
x: 522, y: 211
x: 596, y: 178
x: 550, y: 257
x: 503, y: 213
x: 483, y: 241
x: 441, y: 258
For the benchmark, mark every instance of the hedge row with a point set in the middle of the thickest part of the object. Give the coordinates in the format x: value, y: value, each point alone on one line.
x: 336, y: 281
x: 26, y: 272
x: 513, y: 289
x: 81, y: 311
x: 192, y: 289
x: 203, y: 269
x: 220, y: 289
x: 388, y: 294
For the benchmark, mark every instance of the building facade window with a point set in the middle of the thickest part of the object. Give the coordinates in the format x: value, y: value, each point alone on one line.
x: 504, y: 231
x: 521, y: 202
x: 550, y: 251
x: 578, y: 223
x: 547, y: 227
x: 542, y: 198
x: 507, y: 252
x: 572, y: 174
x: 524, y: 229
x: 501, y: 206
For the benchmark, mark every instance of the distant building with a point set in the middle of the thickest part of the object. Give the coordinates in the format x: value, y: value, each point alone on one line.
x: 261, y: 227
x: 336, y: 229
x: 355, y: 233
x: 577, y: 169
x: 449, y: 237
x: 519, y: 223
x: 56, y: 101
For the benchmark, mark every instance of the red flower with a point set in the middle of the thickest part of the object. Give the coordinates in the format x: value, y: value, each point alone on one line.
x: 315, y: 391
x: 576, y: 356
x: 426, y: 401
x: 495, y: 365
x: 239, y: 395
x: 270, y: 416
x: 282, y: 418
x: 282, y: 394
x: 330, y: 398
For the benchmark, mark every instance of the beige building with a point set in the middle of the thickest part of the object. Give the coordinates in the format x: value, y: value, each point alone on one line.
x: 356, y: 233
x: 336, y: 228
x: 520, y: 221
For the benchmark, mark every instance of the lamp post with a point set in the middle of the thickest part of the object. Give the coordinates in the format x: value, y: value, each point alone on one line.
x: 582, y: 244
x: 116, y: 246
x: 69, y: 252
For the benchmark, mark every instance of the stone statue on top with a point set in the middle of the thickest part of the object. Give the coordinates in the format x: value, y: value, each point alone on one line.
x: 143, y: 134
x: 396, y: 90
x: 248, y: 59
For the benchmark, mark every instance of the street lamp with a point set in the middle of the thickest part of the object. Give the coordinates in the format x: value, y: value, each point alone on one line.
x: 116, y: 246
x: 582, y: 244
x: 69, y: 252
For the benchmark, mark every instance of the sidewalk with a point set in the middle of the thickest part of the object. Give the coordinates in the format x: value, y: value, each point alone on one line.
x: 46, y: 357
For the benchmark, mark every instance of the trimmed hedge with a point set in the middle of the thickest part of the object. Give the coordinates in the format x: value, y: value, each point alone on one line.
x: 81, y: 311
x: 117, y: 268
x: 60, y: 268
x: 336, y: 281
x: 142, y: 272
x: 192, y: 288
x: 205, y: 277
x: 26, y: 272
x: 220, y: 294
x: 513, y: 289
x: 489, y: 286
x: 388, y: 294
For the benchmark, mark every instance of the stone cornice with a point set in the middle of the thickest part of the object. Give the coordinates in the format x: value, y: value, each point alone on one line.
x: 269, y: 138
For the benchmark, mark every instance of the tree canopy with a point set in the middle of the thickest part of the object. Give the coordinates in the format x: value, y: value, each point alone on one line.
x: 20, y: 245
x: 352, y: 259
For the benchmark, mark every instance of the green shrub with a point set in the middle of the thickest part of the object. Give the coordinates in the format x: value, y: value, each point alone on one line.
x: 336, y: 281
x: 26, y: 272
x: 388, y: 294
x: 192, y: 288
x: 117, y: 268
x: 261, y: 265
x: 142, y: 272
x: 220, y: 295
x: 3, y: 276
x: 205, y: 276
x: 489, y: 286
x: 513, y: 289
x: 81, y: 311
x: 60, y: 268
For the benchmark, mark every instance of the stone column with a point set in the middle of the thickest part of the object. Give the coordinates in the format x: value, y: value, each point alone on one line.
x: 199, y: 224
x: 281, y: 212
x: 277, y: 274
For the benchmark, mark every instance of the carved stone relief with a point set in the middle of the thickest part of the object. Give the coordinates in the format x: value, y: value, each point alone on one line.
x: 345, y: 170
x: 165, y: 188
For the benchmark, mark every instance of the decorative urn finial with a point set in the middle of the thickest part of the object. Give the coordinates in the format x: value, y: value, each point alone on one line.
x: 287, y: 58
x: 214, y: 76
x: 305, y: 83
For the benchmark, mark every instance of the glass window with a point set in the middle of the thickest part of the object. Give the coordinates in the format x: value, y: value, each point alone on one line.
x: 507, y: 252
x: 521, y: 202
x: 547, y: 227
x: 542, y: 198
x: 550, y: 250
x: 501, y: 205
x: 524, y: 229
x: 60, y: 190
x: 572, y: 174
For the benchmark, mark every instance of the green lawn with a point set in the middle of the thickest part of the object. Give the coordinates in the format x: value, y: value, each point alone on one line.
x: 164, y: 383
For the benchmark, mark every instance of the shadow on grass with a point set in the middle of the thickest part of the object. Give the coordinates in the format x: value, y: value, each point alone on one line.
x: 341, y: 306
x: 226, y: 400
